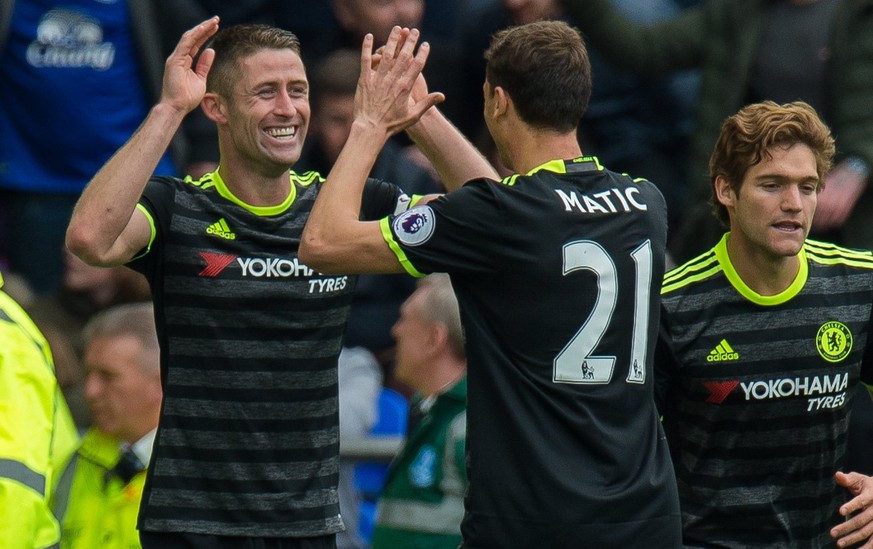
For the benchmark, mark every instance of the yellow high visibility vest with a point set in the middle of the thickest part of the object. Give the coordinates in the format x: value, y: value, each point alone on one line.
x: 37, y: 433
x: 101, y: 510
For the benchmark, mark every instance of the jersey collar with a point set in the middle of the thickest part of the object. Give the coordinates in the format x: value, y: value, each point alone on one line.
x: 222, y: 189
x: 577, y: 165
x: 733, y: 277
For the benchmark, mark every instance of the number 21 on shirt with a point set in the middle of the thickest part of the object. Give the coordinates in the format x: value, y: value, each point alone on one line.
x: 575, y: 363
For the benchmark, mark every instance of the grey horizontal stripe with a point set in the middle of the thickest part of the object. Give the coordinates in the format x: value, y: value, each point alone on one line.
x: 756, y: 466
x: 288, y: 528
x: 696, y: 429
x: 215, y: 409
x: 197, y: 377
x: 237, y: 471
x: 849, y: 282
x: 209, y: 347
x: 19, y: 472
x: 193, y: 316
x: 444, y: 518
x: 725, y: 496
x: 233, y: 501
x: 218, y: 440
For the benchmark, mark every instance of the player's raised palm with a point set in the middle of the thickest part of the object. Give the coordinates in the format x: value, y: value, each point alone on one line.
x: 184, y: 86
x: 391, y: 91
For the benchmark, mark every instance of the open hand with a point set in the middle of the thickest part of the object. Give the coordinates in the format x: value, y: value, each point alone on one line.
x: 184, y: 86
x: 392, y: 94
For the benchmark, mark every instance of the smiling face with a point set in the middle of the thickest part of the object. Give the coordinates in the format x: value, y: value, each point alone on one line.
x: 771, y: 211
x: 267, y: 115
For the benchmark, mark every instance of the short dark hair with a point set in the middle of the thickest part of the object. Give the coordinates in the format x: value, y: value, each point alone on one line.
x: 747, y: 136
x: 239, y: 41
x: 544, y: 68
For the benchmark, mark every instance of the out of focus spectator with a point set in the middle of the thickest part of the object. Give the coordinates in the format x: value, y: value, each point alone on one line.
x: 422, y: 503
x: 61, y: 315
x: 77, y: 79
x: 99, y: 496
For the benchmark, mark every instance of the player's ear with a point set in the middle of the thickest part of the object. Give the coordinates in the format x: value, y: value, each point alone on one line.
x: 502, y: 101
x: 214, y: 108
x: 724, y: 192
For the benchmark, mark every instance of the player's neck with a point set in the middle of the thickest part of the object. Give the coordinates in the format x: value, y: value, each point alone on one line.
x: 764, y: 273
x: 255, y: 188
x: 534, y: 149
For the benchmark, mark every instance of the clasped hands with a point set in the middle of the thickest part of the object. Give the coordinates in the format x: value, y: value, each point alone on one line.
x: 392, y: 93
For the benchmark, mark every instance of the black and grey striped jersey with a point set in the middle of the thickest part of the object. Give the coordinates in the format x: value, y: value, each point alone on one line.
x: 248, y: 438
x: 755, y: 392
x: 557, y: 275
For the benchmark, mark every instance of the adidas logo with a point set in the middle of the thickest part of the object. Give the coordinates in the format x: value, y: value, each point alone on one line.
x: 722, y: 353
x: 221, y: 228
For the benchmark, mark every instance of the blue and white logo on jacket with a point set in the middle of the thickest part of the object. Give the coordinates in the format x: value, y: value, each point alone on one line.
x: 421, y: 471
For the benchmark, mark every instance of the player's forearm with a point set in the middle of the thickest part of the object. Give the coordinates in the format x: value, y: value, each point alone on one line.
x: 332, y: 234
x: 107, y: 203
x: 454, y: 157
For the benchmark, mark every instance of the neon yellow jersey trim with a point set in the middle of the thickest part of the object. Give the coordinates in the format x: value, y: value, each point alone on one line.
x: 560, y: 166
x: 556, y: 166
x: 154, y: 231
x: 385, y: 228
x: 753, y: 296
x: 222, y: 189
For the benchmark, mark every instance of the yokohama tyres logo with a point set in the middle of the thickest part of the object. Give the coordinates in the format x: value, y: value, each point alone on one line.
x: 215, y: 263
x: 812, y: 386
